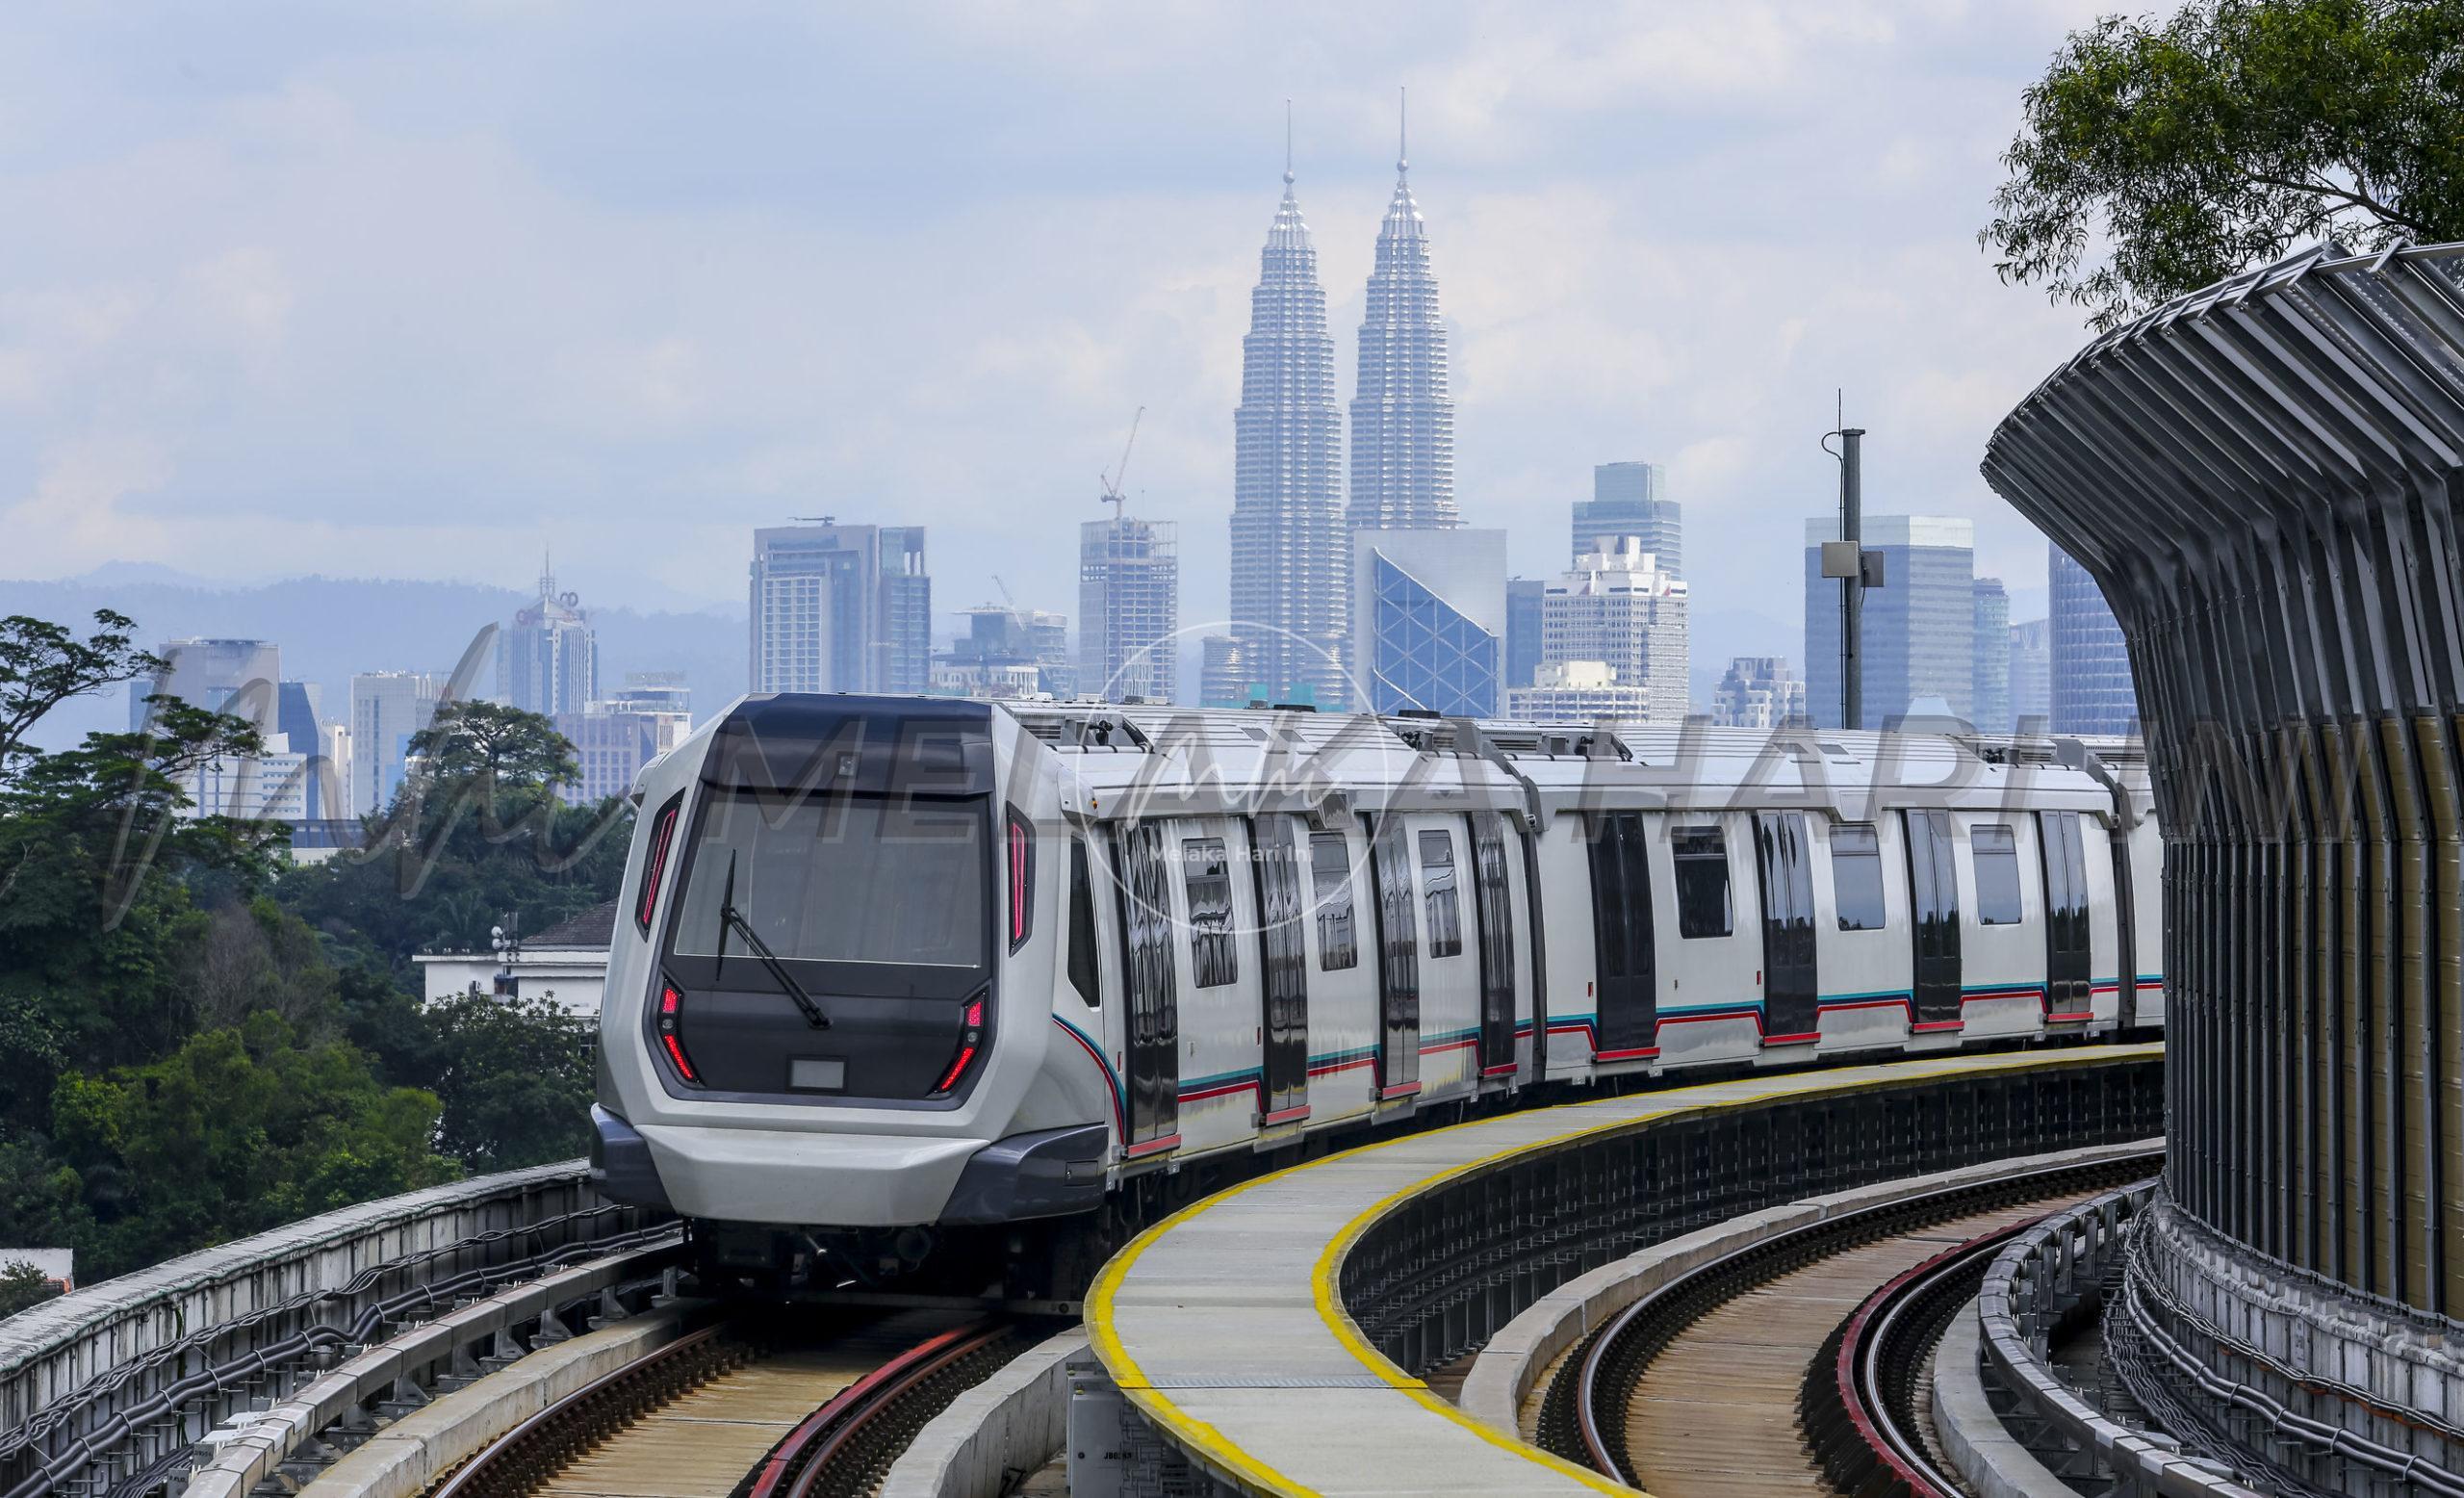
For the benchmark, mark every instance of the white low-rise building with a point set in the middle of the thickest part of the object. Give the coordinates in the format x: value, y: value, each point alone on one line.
x: 568, y: 962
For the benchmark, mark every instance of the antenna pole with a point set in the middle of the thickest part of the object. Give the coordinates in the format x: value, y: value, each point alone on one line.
x: 1851, y: 588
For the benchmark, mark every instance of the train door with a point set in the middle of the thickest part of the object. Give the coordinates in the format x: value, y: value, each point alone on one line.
x: 1626, y: 993
x: 2066, y: 952
x: 1493, y: 908
x: 1151, y: 985
x: 1399, y: 970
x: 1284, y: 971
x: 1791, y: 996
x: 2125, y: 931
x: 1933, y: 919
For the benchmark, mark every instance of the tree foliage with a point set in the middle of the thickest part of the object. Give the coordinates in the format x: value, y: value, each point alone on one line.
x: 478, y: 832
x: 237, y: 1131
x: 515, y: 1078
x: 2155, y: 159
x: 23, y: 1286
x: 42, y: 665
x: 204, y: 1042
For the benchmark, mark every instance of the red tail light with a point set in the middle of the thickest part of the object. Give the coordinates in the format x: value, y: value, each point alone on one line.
x: 969, y: 1043
x: 1022, y: 872
x: 662, y: 834
x: 671, y: 1030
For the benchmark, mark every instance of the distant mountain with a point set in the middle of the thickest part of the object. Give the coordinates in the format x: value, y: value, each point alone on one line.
x: 330, y: 628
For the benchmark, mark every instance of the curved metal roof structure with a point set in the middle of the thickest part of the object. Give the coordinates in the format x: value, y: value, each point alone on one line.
x: 2263, y: 477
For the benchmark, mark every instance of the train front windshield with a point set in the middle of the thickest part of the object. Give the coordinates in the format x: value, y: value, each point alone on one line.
x: 893, y: 880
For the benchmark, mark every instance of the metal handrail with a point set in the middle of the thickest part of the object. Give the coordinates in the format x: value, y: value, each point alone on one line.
x: 128, y: 1371
x: 2032, y: 1285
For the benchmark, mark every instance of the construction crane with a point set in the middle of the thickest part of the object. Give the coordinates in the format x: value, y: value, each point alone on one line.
x: 1112, y: 481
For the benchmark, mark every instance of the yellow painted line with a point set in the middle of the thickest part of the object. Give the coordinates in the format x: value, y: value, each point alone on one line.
x: 1215, y: 1448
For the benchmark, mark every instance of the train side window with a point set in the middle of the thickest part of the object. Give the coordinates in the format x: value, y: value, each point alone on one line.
x: 1857, y: 877
x: 1437, y: 886
x: 1703, y: 905
x: 1084, y: 976
x: 1207, y: 874
x: 1998, y: 874
x: 1330, y: 882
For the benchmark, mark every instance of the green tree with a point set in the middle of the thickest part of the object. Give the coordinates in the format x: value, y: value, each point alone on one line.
x: 237, y: 1131
x: 479, y: 833
x: 515, y: 1079
x: 493, y: 749
x: 22, y: 1286
x: 2155, y: 159
x: 98, y: 921
x: 198, y: 1049
x: 42, y: 665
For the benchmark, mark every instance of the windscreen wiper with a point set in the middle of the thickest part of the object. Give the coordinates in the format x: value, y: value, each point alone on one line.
x: 731, y: 917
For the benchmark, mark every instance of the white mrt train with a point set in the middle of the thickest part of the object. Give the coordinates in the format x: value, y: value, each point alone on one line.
x: 895, y: 971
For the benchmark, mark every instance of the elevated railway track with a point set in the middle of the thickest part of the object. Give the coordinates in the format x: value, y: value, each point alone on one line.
x: 814, y: 1406
x: 1792, y: 1365
x: 1305, y: 1319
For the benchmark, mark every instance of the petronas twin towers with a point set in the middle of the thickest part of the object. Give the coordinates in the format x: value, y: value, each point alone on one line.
x: 1291, y: 526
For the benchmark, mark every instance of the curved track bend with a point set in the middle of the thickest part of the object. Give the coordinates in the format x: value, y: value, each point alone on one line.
x: 787, y: 1406
x: 1729, y: 1380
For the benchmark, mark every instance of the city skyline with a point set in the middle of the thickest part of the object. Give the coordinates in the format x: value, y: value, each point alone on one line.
x: 1595, y: 312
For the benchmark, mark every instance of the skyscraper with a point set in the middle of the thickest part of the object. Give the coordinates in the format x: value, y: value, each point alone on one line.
x: 1129, y: 608
x: 2031, y: 675
x: 547, y: 661
x: 840, y: 608
x: 386, y: 709
x: 1223, y: 676
x: 2091, y: 665
x: 902, y: 658
x: 1919, y: 626
x: 1402, y: 420
x: 1618, y: 608
x: 612, y: 740
x: 324, y: 789
x: 241, y: 677
x: 1631, y: 499
x: 1428, y: 619
x: 1523, y: 629
x: 1991, y: 653
x: 1290, y: 555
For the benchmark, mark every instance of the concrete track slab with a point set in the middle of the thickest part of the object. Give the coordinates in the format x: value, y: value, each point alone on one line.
x: 1222, y: 1327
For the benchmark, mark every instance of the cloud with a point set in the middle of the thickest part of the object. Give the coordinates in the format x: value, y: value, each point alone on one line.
x: 413, y: 295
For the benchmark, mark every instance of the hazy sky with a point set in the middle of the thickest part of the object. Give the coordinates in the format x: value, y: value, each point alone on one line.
x: 413, y: 290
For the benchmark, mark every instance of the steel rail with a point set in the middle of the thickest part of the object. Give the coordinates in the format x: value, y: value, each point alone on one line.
x: 1857, y: 1405
x: 843, y: 1446
x: 511, y: 1464
x: 1576, y: 1417
x: 839, y: 1449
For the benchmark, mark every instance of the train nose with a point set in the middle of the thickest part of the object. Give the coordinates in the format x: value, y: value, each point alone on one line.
x: 802, y: 1178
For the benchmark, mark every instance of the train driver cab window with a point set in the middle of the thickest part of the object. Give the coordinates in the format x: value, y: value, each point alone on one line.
x: 1207, y: 874
x: 1083, y: 976
x: 1330, y: 889
x: 1703, y: 906
x: 1857, y: 877
x: 1998, y: 874
x: 1437, y: 886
